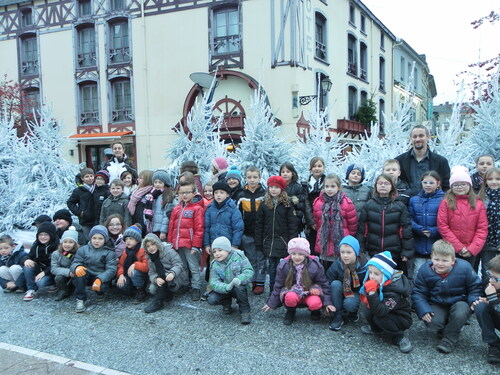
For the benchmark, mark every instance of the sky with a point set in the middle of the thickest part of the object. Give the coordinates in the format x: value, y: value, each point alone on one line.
x: 441, y: 30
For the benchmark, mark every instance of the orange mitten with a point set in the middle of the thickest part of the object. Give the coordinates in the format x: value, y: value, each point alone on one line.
x: 80, y: 271
x: 96, y: 286
x: 371, y: 286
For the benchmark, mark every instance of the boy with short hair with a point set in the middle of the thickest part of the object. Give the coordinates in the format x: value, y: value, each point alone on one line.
x: 185, y: 232
x: 488, y: 312
x: 230, y: 273
x: 385, y: 293
x: 116, y: 203
x: 444, y: 291
x: 253, y: 195
x: 101, y: 192
x: 81, y: 202
x: 393, y: 169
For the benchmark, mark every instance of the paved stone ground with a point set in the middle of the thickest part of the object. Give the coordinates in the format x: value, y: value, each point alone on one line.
x: 195, y: 338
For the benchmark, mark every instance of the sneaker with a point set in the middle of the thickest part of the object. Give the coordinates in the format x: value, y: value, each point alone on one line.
x: 353, y: 317
x: 195, y: 295
x: 316, y: 315
x: 493, y: 354
x: 367, y: 330
x: 204, y: 296
x: 100, y: 297
x: 80, y: 306
x: 336, y: 325
x: 439, y: 334
x: 21, y: 290
x: 52, y: 289
x: 10, y: 290
x: 140, y: 296
x: 227, y: 309
x: 245, y: 318
x: 258, y: 290
x: 405, y: 345
x: 29, y: 295
x: 62, y: 294
x: 289, y: 316
x: 445, y: 346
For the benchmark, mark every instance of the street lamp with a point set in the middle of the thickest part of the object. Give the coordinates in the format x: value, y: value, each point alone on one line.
x: 326, y: 85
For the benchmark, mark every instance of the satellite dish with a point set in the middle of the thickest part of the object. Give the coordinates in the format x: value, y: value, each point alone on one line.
x: 202, y: 79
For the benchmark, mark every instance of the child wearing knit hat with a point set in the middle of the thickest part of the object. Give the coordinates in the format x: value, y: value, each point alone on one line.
x: 61, y: 262
x: 345, y: 276
x: 219, y: 167
x: 462, y: 219
x: 101, y: 192
x: 94, y: 264
x: 233, y: 179
x: 385, y: 293
x: 358, y: 193
x: 132, y: 270
x: 300, y: 281
x: 159, y: 201
x: 230, y: 276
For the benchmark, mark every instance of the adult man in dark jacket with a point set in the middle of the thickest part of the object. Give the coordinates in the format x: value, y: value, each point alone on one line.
x: 419, y: 159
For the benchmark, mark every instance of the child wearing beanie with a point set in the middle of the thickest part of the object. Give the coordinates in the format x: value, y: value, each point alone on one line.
x: 159, y: 203
x: 166, y: 272
x: 300, y: 281
x: 230, y: 277
x: 462, y: 219
x: 345, y: 276
x: 233, y: 179
x: 94, y: 264
x: 358, y: 193
x: 219, y: 168
x: 101, y: 192
x: 133, y: 265
x: 276, y: 224
x: 385, y: 294
x: 61, y: 262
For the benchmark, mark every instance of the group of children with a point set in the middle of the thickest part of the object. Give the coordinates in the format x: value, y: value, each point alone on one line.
x: 372, y: 242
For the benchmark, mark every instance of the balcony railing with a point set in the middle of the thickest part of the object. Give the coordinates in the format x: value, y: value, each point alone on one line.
x: 122, y: 115
x: 118, y: 55
x: 381, y: 86
x: 87, y: 59
x: 89, y: 118
x: 363, y: 74
x: 352, y: 68
x: 29, y: 67
x: 350, y: 126
x: 320, y: 50
x: 226, y: 44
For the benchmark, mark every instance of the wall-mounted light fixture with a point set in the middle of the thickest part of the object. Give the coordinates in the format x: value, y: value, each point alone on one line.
x: 326, y: 85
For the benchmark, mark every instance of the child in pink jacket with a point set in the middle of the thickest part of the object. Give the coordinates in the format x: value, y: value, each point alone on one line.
x: 462, y: 217
x: 334, y: 217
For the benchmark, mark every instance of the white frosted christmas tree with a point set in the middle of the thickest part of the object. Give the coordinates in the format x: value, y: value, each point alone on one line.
x: 41, y: 179
x: 261, y: 146
x: 9, y: 145
x: 202, y: 142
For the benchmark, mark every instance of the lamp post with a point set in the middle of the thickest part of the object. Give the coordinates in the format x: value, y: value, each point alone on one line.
x: 325, y: 84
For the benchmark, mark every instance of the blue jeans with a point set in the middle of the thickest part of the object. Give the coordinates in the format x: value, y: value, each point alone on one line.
x: 240, y: 293
x: 138, y: 280
x: 30, y: 274
x: 256, y: 258
x: 87, y: 279
x: 488, y: 320
x: 341, y: 303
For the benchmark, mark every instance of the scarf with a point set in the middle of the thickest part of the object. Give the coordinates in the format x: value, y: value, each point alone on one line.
x: 4, y: 259
x: 298, y: 287
x: 331, y: 230
x: 136, y: 197
x: 90, y: 188
x: 131, y: 257
x: 150, y: 198
x: 493, y: 213
x: 351, y: 278
x: 160, y: 270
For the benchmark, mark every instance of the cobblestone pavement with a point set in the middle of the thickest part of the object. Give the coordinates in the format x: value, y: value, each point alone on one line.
x: 195, y: 338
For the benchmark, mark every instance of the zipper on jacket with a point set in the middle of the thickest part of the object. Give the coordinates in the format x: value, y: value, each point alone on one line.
x: 272, y: 234
x: 178, y: 229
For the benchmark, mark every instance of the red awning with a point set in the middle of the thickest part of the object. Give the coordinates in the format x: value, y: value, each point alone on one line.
x: 95, y: 136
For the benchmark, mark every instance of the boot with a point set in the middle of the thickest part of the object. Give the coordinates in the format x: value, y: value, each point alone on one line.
x: 154, y: 306
x: 63, y: 288
x: 140, y: 296
x: 168, y: 296
x: 289, y: 316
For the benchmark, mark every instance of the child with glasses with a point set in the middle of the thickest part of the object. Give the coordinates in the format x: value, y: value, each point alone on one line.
x: 462, y: 217
x: 423, y: 209
x: 384, y: 224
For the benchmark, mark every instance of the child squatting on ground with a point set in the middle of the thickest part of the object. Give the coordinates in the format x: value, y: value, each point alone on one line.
x: 230, y: 277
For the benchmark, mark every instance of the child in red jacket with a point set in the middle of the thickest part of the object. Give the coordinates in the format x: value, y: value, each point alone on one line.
x: 133, y: 264
x: 185, y: 232
x: 462, y: 217
x: 334, y: 217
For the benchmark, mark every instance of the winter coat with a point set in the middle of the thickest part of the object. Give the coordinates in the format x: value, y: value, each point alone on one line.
x: 116, y: 167
x: 224, y: 221
x: 235, y: 265
x: 81, y: 204
x: 118, y: 245
x: 477, y: 182
x: 349, y: 221
x: 116, y: 205
x: 300, y: 200
x: 423, y: 209
x: 404, y: 191
x: 249, y: 204
x: 461, y: 284
x: 237, y: 194
x: 436, y: 163
x: 312, y: 191
x: 15, y: 257
x: 187, y: 224
x: 395, y: 301
x: 41, y: 254
x: 60, y: 264
x: 384, y: 225
x: 274, y: 228
x: 359, y: 195
x: 336, y: 271
x: 141, y: 262
x: 172, y: 263
x: 463, y: 227
x: 161, y: 215
x: 316, y: 275
x: 100, y: 194
x: 100, y: 263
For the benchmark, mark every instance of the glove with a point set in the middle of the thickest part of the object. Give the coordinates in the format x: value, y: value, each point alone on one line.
x: 371, y: 286
x: 236, y: 282
x: 231, y: 285
x: 80, y: 271
x: 96, y: 286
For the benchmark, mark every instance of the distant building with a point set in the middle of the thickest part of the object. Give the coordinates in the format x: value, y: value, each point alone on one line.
x: 443, y: 113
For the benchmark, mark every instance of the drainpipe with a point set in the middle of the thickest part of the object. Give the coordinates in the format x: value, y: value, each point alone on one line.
x: 145, y: 86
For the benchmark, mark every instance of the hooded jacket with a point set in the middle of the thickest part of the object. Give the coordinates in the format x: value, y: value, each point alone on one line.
x: 100, y: 263
x: 39, y: 253
x: 187, y: 224
x: 224, y: 221
x: 235, y: 265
